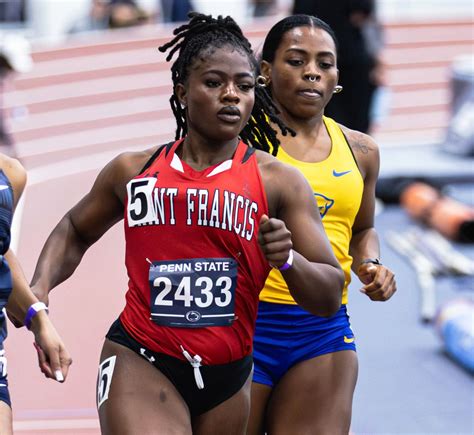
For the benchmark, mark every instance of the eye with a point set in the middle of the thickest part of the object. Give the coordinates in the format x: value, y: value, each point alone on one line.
x: 246, y: 87
x: 325, y: 65
x: 212, y: 83
x: 295, y: 62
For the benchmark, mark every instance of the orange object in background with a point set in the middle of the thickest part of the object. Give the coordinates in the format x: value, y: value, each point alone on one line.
x: 451, y: 218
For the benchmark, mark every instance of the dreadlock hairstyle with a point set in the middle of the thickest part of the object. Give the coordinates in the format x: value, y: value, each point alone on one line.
x: 204, y: 33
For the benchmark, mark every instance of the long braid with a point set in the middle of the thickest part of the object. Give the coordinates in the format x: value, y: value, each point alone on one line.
x: 203, y: 32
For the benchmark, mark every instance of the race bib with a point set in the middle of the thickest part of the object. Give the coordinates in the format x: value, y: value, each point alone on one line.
x: 193, y: 293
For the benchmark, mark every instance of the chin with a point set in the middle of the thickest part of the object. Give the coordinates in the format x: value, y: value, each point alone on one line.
x: 229, y: 133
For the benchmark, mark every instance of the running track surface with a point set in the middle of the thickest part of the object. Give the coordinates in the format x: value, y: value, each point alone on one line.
x: 56, y: 143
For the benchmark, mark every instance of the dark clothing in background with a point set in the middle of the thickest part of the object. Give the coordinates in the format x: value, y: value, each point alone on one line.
x: 175, y: 10
x: 355, y: 59
x: 12, y: 11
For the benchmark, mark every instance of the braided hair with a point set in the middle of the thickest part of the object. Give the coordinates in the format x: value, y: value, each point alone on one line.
x: 205, y: 33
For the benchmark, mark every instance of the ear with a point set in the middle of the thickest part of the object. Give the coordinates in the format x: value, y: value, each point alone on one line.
x: 266, y: 70
x: 181, y: 93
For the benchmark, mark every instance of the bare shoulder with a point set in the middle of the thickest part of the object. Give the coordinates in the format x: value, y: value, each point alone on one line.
x: 361, y: 143
x: 283, y: 183
x: 364, y: 147
x: 127, y: 165
x: 278, y: 171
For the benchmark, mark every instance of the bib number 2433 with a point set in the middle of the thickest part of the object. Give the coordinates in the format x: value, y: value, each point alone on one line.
x: 193, y: 293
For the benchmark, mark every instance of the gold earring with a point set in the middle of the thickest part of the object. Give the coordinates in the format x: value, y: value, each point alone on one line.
x: 337, y: 89
x: 262, y: 81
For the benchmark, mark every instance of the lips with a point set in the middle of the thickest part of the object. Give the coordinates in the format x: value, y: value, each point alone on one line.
x: 229, y: 114
x: 310, y: 93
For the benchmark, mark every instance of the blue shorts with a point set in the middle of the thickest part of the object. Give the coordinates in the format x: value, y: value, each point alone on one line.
x: 4, y: 393
x: 286, y: 335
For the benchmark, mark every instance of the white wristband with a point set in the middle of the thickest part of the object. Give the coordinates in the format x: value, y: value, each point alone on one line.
x: 33, y: 311
x: 288, y: 263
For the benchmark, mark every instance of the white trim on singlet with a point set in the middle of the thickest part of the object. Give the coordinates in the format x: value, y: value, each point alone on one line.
x: 176, y: 163
x: 224, y: 166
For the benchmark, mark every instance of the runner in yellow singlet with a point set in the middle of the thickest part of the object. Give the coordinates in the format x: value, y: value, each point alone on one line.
x: 306, y: 366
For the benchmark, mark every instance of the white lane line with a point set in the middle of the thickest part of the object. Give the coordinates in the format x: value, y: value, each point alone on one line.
x: 75, y: 165
x: 64, y: 168
x: 32, y: 425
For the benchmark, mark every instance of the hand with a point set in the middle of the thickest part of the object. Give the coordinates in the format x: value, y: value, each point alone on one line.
x: 53, y: 358
x: 275, y: 240
x: 380, y: 284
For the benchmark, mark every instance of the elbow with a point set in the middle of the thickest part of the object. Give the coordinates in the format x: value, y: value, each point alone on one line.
x: 332, y: 308
x: 333, y: 299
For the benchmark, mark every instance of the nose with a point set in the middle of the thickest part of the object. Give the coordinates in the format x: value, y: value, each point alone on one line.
x: 230, y: 93
x: 312, y: 77
x: 312, y: 74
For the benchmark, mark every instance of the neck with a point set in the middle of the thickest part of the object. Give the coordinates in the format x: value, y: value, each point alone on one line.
x: 306, y: 127
x: 201, y: 153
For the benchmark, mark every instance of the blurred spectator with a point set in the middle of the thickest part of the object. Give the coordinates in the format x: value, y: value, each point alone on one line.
x: 111, y: 14
x: 263, y: 8
x: 126, y: 13
x: 97, y: 19
x: 360, y: 67
x: 14, y: 58
x: 12, y: 11
x: 175, y: 10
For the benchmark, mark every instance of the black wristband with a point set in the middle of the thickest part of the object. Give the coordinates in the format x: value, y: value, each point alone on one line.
x: 371, y: 260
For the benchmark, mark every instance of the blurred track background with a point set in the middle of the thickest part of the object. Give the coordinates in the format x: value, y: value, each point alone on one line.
x: 89, y: 98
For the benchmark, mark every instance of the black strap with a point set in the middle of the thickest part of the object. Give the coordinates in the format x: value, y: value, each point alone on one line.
x: 155, y: 155
x: 250, y: 151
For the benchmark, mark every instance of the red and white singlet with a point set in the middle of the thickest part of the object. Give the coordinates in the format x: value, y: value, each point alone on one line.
x: 194, y: 263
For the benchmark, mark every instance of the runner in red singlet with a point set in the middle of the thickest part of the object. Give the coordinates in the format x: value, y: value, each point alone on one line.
x: 205, y: 217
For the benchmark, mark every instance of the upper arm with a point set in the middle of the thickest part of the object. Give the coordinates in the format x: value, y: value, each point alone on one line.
x: 367, y: 156
x: 298, y: 209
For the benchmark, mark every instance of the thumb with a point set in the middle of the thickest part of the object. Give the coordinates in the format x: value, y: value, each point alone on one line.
x: 264, y: 219
x: 372, y: 269
x: 367, y: 273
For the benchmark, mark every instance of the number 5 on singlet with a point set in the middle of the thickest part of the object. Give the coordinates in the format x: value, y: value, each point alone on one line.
x: 193, y: 293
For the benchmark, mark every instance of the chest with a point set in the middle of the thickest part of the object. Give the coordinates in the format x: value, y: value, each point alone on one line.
x: 166, y: 199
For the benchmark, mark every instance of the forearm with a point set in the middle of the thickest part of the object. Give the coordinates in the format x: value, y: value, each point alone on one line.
x: 61, y: 254
x: 21, y: 297
x: 364, y: 244
x: 316, y: 287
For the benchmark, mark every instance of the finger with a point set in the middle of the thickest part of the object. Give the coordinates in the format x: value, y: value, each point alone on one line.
x: 391, y: 289
x: 264, y: 225
x: 367, y: 273
x: 55, y: 363
x: 66, y: 361
x: 378, y: 280
x: 372, y: 270
x: 43, y: 361
x: 380, y: 291
x: 268, y: 225
x: 278, y: 250
x: 278, y: 236
x: 376, y: 295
